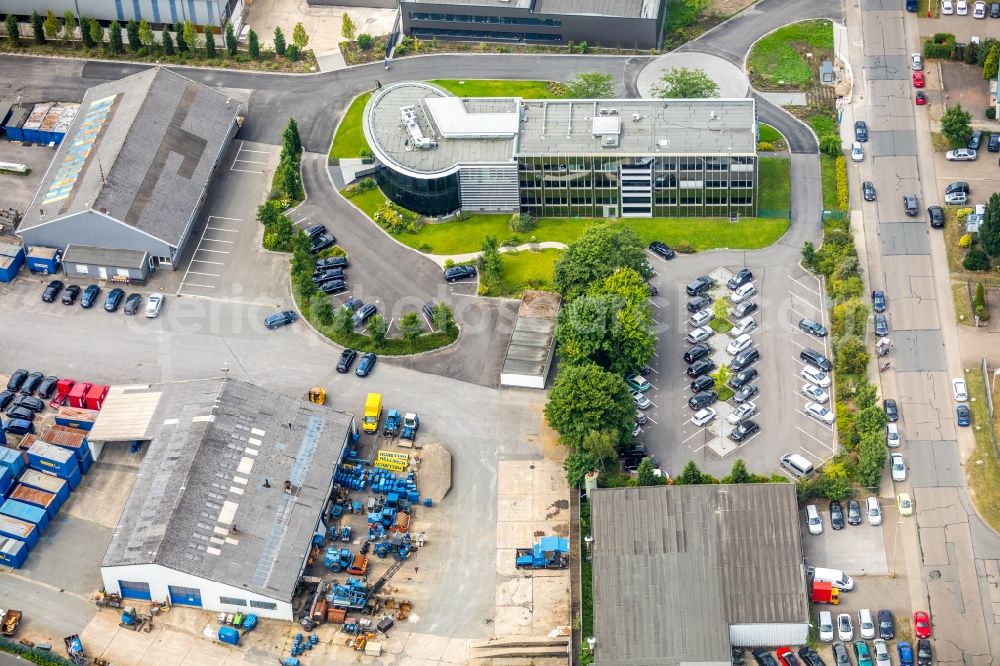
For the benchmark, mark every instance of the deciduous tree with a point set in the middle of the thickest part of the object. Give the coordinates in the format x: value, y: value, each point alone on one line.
x: 596, y: 254
x: 52, y: 26
x: 682, y: 82
x: 343, y: 321
x: 347, y: 26
x: 410, y: 326
x: 191, y: 35
x: 992, y: 62
x: 443, y: 318
x: 146, y: 36
x: 378, y: 328
x: 591, y: 85
x: 606, y: 330
x: 299, y: 36
x: 956, y: 125
x: 69, y: 25
x: 585, y: 398
x: 577, y: 465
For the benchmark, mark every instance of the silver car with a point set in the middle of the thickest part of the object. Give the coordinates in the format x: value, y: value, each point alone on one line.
x: 154, y: 305
x: 641, y: 401
x: 700, y: 334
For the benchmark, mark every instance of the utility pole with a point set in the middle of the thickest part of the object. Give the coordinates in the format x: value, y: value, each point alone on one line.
x: 895, y: 547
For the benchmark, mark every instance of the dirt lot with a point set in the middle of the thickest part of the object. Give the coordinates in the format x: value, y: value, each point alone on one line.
x: 16, y: 191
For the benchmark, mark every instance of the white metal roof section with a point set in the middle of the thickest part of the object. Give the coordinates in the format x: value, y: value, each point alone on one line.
x: 454, y: 121
x: 607, y: 125
x: 126, y: 415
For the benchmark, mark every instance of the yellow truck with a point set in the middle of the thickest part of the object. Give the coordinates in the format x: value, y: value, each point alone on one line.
x: 373, y: 412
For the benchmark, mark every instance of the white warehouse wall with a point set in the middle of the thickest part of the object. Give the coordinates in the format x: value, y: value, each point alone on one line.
x: 159, y: 577
x: 769, y: 635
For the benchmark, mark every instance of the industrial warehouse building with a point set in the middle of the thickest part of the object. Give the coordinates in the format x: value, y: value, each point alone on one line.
x: 156, y: 12
x: 614, y: 23
x: 437, y: 153
x: 133, y: 170
x: 684, y: 573
x: 533, y: 342
x: 232, y: 489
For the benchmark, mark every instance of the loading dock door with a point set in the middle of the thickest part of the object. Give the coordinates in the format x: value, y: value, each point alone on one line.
x: 185, y: 596
x: 131, y: 590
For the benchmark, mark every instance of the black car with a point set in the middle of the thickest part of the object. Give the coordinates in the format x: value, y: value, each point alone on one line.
x: 994, y: 145
x: 836, y: 515
x: 764, y: 657
x: 813, y: 357
x: 132, y: 304
x: 702, y: 400
x: 5, y: 399
x: 935, y: 215
x: 744, y: 431
x: 812, y: 327
x: 333, y: 287
x: 741, y: 379
x: 699, y: 286
x: 31, y: 383
x: 740, y: 279
x: 958, y: 186
x: 428, y: 310
x: 878, y: 300
x: 743, y: 309
x: 114, y: 299
x: 702, y: 383
x: 16, y: 379
x: 910, y: 204
x: 698, y: 303
x: 22, y: 413
x: 891, y: 410
x: 886, y: 625
x: 840, y: 655
x: 975, y: 140
x: 745, y: 393
x: 632, y: 450
x: 995, y: 10
x: 963, y: 416
x: 331, y: 262
x: 353, y: 304
x: 868, y: 189
x: 366, y: 365
x: 744, y: 359
x: 315, y: 230
x: 46, y: 388
x: 701, y: 367
x: 90, y: 295
x: 696, y: 352
x: 29, y: 402
x: 52, y: 290
x: 459, y: 273
x: 346, y: 360
x: 71, y: 294
x: 279, y: 319
x: 853, y: 512
x: 860, y: 131
x: 661, y: 250
x: 810, y: 657
x: 328, y: 274
x: 925, y: 654
x: 881, y: 325
x: 321, y: 241
x: 364, y: 313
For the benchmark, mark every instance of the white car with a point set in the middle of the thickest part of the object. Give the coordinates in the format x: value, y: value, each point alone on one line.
x: 874, y: 512
x: 742, y: 413
x: 815, y: 393
x: 814, y: 520
x: 845, y: 628
x: 819, y: 412
x: 701, y: 317
x: 739, y: 344
x: 743, y: 326
x: 825, y: 627
x: 816, y: 376
x: 857, y: 152
x: 703, y: 416
x: 881, y: 653
x: 962, y: 7
x: 898, y: 467
x: 979, y: 10
x: 700, y: 334
x: 960, y: 390
x: 917, y: 62
x: 154, y: 305
x: 892, y: 438
x: 960, y: 155
x: 747, y: 291
x: 947, y: 7
x: 865, y: 624
x: 641, y: 401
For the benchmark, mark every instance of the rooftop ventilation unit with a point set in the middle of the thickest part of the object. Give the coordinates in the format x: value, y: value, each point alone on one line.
x: 610, y: 141
x: 417, y: 138
x: 605, y: 112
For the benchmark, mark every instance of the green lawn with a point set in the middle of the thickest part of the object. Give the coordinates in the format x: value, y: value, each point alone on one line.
x: 350, y: 140
x: 828, y: 176
x: 497, y: 88
x: 367, y: 201
x: 777, y: 59
x: 527, y: 270
x: 775, y: 183
x: 769, y: 134
x: 823, y: 124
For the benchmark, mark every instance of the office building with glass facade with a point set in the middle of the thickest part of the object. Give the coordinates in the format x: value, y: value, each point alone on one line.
x: 437, y: 153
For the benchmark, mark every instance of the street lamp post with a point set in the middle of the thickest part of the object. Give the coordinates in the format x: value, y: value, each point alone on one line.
x: 895, y: 547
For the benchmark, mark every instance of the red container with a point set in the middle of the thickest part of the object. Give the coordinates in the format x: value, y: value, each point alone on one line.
x: 78, y: 394
x: 95, y: 396
x: 65, y: 385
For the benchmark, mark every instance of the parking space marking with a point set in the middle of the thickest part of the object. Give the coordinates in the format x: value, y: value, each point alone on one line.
x: 238, y: 159
x: 794, y: 342
x: 803, y: 286
x: 205, y: 249
x: 212, y: 219
x: 653, y: 303
x: 232, y: 231
x: 216, y: 240
x: 692, y: 436
x: 805, y: 301
x: 651, y: 420
x: 208, y: 274
x: 192, y: 284
x: 203, y: 261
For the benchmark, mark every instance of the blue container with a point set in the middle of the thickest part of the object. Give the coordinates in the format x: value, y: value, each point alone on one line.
x: 19, y: 529
x: 249, y: 622
x: 43, y: 260
x: 74, y: 422
x: 50, y: 483
x: 36, y: 497
x: 26, y: 512
x: 13, y: 461
x: 229, y: 635
x: 3, y: 435
x: 13, y: 553
x: 6, y: 481
x: 47, y: 457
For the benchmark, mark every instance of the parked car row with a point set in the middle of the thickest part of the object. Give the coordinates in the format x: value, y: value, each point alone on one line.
x: 115, y: 299
x: 24, y: 397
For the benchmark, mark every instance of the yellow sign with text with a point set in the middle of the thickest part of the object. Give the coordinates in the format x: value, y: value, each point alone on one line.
x: 392, y: 460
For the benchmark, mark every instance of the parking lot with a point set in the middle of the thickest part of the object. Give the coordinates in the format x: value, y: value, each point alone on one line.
x: 784, y: 296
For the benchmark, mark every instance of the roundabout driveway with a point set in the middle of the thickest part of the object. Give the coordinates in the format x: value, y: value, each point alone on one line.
x: 732, y: 81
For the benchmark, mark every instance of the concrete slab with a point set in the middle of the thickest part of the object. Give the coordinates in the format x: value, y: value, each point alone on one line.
x: 68, y: 556
x: 456, y: 652
x: 917, y: 394
x: 514, y: 478
x: 512, y: 620
x: 904, y: 239
x: 732, y: 81
x: 918, y: 350
x: 426, y: 646
x: 857, y: 550
x: 513, y: 508
x: 322, y: 23
x: 934, y: 464
x: 886, y: 68
x: 894, y: 143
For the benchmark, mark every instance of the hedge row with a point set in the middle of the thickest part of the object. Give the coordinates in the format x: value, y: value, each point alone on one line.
x: 843, y: 192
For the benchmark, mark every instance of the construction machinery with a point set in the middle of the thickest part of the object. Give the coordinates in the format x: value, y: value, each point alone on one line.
x: 10, y: 622
x: 317, y: 395
x: 337, y: 559
x: 549, y: 553
x: 411, y: 423
x: 131, y: 619
x: 392, y: 421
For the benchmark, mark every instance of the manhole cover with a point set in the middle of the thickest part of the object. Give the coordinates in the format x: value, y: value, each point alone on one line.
x: 531, y: 467
x: 934, y: 575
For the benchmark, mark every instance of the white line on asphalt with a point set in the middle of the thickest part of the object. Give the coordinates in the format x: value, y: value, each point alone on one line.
x: 248, y: 150
x: 812, y: 437
x: 217, y: 240
x: 809, y: 453
x: 205, y: 249
x: 232, y: 231
x: 803, y: 286
x: 656, y: 355
x: 202, y: 261
x: 692, y: 436
x: 805, y: 301
x: 191, y: 284
x: 219, y: 217
x: 797, y: 344
x: 654, y: 304
x: 208, y: 274
x: 302, y: 220
x: 651, y: 420
x: 247, y: 171
x: 654, y: 321
x: 655, y: 370
x: 247, y: 162
x: 390, y: 324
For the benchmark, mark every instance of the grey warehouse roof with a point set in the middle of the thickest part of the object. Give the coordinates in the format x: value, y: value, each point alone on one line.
x: 199, y: 504
x: 444, y: 132
x: 100, y: 256
x: 675, y: 566
x: 142, y: 149
x: 534, y: 330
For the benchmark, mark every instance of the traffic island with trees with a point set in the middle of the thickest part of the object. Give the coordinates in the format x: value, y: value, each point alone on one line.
x: 183, y: 43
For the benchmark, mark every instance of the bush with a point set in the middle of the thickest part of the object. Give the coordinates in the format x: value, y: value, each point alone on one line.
x: 963, y: 213
x: 965, y: 241
x: 976, y: 260
x: 765, y: 146
x: 979, y: 304
x: 684, y: 247
x: 364, y: 185
x: 843, y: 191
x: 522, y: 223
x: 941, y: 46
x: 364, y: 41
x: 991, y: 112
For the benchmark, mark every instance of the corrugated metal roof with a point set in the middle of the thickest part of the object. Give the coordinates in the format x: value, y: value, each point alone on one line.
x: 126, y: 415
x: 103, y: 256
x: 625, y: 8
x: 674, y: 566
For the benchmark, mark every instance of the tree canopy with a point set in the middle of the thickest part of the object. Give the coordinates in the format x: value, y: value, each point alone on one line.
x: 597, y: 253
x: 685, y: 83
x: 585, y: 398
x: 591, y: 85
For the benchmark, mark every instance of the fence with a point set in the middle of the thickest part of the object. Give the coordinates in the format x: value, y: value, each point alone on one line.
x: 832, y: 215
x: 987, y: 385
x: 783, y: 213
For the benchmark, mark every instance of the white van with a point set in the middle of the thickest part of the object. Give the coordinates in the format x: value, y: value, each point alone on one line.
x: 797, y: 465
x: 874, y: 512
x: 814, y: 520
x: 835, y: 577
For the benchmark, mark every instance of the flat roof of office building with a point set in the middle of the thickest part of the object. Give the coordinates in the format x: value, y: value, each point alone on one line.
x: 623, y: 8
